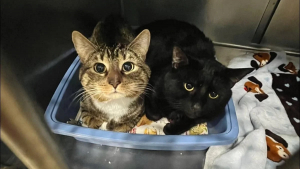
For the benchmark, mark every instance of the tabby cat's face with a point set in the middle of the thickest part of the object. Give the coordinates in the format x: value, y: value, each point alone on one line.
x: 200, y: 88
x: 113, y: 72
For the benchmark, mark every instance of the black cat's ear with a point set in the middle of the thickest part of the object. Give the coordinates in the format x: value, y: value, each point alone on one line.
x: 236, y: 75
x: 83, y: 46
x: 140, y: 44
x: 179, y: 58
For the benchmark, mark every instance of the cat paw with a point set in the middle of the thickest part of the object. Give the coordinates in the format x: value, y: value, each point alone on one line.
x: 124, y: 129
x: 175, y: 117
x: 94, y: 124
x: 171, y: 129
x: 119, y: 127
x: 167, y: 129
x: 103, y: 126
x: 153, y: 117
x: 111, y: 125
x: 91, y: 122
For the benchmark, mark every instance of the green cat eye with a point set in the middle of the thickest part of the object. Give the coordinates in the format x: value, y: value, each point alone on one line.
x: 100, y: 68
x: 128, y: 66
x: 189, y: 87
x: 213, y: 95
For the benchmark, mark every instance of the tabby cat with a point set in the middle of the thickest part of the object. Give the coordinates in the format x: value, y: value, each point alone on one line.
x: 189, y: 85
x: 113, y: 75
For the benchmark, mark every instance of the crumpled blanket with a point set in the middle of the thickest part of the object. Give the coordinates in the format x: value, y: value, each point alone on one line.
x: 267, y: 108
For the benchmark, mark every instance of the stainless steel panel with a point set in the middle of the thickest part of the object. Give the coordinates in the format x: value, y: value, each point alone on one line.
x: 36, y: 38
x: 283, y: 30
x: 35, y: 33
x: 265, y: 21
x: 233, y: 21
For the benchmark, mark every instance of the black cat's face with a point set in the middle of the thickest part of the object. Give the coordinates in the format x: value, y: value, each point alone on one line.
x: 196, y: 91
x: 200, y: 88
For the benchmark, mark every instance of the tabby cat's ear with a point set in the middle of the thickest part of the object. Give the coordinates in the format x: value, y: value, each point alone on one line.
x: 83, y: 46
x: 236, y: 75
x: 179, y: 58
x: 140, y: 44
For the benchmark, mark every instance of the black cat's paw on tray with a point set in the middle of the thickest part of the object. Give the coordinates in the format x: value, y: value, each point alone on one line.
x: 168, y: 130
x: 178, y: 128
x: 153, y: 117
x: 171, y: 129
x: 175, y: 117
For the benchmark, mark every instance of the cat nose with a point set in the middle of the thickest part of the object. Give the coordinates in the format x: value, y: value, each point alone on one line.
x: 114, y: 78
x: 114, y: 83
x: 196, y: 107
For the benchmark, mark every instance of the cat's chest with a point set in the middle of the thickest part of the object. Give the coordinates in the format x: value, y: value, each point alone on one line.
x: 114, y: 109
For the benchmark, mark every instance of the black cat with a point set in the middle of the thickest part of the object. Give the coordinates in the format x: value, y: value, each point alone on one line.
x: 190, y: 86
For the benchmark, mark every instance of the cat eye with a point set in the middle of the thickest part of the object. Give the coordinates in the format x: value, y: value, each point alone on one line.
x: 100, y: 67
x: 213, y: 95
x: 189, y: 87
x: 128, y: 66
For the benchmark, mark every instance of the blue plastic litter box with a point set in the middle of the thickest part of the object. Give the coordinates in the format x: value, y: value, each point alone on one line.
x: 222, y: 130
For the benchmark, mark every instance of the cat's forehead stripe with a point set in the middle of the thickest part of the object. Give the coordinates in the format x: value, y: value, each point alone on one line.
x: 135, y: 54
x: 113, y: 53
x: 102, y: 53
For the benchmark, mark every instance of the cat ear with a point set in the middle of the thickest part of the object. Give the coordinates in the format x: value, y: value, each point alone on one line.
x: 179, y: 58
x: 141, y: 43
x: 236, y: 75
x: 83, y: 46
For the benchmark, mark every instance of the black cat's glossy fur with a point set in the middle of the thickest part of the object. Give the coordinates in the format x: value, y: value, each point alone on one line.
x: 180, y: 53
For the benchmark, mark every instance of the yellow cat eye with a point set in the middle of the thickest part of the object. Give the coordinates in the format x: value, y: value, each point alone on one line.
x: 128, y: 66
x: 100, y: 68
x: 189, y: 87
x: 213, y: 95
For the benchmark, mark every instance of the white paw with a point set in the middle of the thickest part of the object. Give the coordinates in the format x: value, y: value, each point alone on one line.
x: 84, y: 125
x: 103, y: 126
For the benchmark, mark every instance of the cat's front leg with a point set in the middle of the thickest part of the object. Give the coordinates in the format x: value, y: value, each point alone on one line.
x: 91, y: 121
x: 179, y: 127
x: 153, y: 116
x: 112, y: 125
x: 175, y: 117
x: 152, y: 113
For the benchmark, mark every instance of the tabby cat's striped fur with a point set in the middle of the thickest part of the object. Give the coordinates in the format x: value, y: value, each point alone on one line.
x: 113, y: 95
